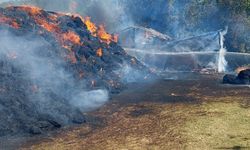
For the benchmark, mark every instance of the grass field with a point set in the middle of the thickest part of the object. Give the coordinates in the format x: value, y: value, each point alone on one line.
x: 195, y: 114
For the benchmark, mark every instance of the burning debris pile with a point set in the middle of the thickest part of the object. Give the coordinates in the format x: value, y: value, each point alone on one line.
x: 54, y: 66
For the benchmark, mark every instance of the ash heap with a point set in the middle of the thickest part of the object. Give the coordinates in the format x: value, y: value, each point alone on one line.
x: 55, y: 66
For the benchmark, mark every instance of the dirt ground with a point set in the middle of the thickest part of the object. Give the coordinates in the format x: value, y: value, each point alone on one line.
x: 199, y: 113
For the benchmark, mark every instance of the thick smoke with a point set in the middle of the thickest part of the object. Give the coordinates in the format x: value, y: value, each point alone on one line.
x: 52, y: 84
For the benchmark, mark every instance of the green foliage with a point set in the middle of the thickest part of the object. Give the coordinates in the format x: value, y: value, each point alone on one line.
x: 234, y: 6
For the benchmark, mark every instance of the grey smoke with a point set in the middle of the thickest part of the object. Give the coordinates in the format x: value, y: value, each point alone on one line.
x: 88, y: 100
x: 45, y: 70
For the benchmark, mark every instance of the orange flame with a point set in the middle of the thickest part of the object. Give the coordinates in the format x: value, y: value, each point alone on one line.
x: 99, y: 52
x: 67, y: 39
x: 32, y: 10
x: 15, y: 25
x: 9, y: 21
x: 37, y: 15
x: 104, y: 36
x: 72, y: 37
x: 51, y: 27
x: 100, y: 32
x: 90, y: 26
x: 51, y: 24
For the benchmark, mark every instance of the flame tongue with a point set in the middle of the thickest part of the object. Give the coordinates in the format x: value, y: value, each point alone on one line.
x: 103, y: 35
x: 90, y: 26
x: 100, y: 32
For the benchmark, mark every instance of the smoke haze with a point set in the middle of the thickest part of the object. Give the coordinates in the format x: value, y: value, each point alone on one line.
x: 38, y: 61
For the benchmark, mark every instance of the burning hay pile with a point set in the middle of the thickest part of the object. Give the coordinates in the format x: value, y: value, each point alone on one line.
x: 53, y: 66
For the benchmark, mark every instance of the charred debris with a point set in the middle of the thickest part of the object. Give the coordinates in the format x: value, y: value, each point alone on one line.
x: 88, y: 57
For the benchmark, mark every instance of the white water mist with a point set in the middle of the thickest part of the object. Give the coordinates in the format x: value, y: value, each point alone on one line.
x: 222, y: 63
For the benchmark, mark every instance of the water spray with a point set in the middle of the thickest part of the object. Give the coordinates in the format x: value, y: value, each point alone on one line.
x: 222, y: 63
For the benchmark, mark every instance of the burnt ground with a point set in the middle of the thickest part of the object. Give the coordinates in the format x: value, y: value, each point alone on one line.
x: 194, y: 112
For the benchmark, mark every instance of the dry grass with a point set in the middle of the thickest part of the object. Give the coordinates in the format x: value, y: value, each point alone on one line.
x: 215, y: 125
x: 213, y: 122
x: 155, y: 130
x: 223, y: 126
